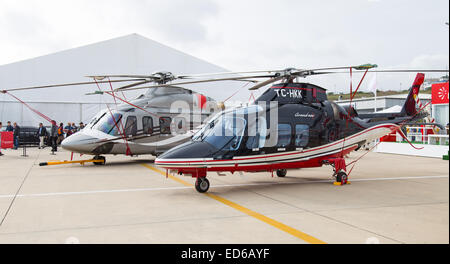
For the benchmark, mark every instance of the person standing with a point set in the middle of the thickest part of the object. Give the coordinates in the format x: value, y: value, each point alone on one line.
x: 81, y: 126
x: 42, y: 132
x: 54, y: 136
x: 60, y: 133
x: 9, y: 128
x: 68, y: 130
x: 16, y: 135
x: 1, y: 154
x: 74, y: 128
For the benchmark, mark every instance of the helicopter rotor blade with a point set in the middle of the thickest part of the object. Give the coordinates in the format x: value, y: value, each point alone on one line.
x: 274, y: 75
x: 99, y: 77
x: 322, y: 73
x: 134, y: 84
x: 367, y: 66
x: 266, y: 82
x: 225, y: 73
x: 410, y: 70
x: 315, y: 71
x: 65, y: 85
x: 242, y: 78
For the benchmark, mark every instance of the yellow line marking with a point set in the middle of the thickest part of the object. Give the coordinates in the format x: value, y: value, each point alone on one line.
x: 170, y: 176
x: 292, y: 231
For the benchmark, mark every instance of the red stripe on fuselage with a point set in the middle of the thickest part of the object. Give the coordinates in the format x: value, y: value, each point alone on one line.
x: 297, y: 88
x: 280, y: 155
x: 314, y: 162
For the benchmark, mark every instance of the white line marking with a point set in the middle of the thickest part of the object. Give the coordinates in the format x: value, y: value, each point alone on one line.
x: 94, y: 192
x: 213, y: 186
x: 403, y: 178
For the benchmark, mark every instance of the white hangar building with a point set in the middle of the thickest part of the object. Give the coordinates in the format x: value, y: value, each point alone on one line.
x: 131, y: 54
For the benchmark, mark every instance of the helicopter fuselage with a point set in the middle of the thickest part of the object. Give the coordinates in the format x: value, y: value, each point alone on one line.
x: 309, y: 130
x: 142, y: 126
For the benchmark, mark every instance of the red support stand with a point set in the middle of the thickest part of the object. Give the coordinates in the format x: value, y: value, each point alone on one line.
x: 340, y: 170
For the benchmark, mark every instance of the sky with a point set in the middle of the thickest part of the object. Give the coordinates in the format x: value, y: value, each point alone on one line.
x: 247, y: 34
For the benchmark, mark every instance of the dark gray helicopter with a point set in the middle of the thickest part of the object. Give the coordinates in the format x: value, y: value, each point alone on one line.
x: 306, y: 130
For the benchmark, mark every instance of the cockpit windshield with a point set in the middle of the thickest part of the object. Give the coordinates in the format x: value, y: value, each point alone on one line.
x: 226, y: 131
x: 108, y: 124
x: 96, y: 118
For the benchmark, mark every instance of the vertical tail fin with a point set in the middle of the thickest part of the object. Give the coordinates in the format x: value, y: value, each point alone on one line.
x: 409, y: 108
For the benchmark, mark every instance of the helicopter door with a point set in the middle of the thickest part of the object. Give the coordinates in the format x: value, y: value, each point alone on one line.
x: 131, y: 126
x: 164, y: 134
x: 301, y: 136
x: 147, y: 125
x: 164, y: 125
x: 148, y: 130
x: 284, y: 136
x: 257, y: 134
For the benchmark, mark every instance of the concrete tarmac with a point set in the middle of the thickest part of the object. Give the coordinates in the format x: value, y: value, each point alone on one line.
x: 391, y: 199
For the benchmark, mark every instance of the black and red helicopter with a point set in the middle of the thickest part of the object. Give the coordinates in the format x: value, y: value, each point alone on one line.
x: 291, y: 125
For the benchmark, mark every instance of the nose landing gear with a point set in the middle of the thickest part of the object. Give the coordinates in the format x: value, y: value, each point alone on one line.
x: 202, y: 185
x: 100, y: 160
x: 281, y: 173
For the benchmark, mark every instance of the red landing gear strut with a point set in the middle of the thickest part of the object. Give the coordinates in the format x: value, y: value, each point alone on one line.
x: 339, y: 170
x: 201, y: 183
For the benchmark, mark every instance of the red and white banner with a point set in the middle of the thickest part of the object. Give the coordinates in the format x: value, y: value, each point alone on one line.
x: 439, y: 93
x: 7, y: 140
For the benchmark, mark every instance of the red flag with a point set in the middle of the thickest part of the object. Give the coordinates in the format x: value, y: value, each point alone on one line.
x: 440, y: 93
x: 7, y: 140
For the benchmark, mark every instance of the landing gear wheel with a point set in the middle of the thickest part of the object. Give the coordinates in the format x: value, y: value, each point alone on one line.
x: 342, y: 178
x: 100, y: 158
x: 202, y: 185
x: 282, y: 173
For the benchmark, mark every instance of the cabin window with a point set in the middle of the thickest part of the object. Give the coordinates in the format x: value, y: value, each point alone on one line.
x: 301, y: 135
x: 284, y: 135
x: 164, y: 125
x: 131, y: 126
x: 147, y: 125
x: 180, y: 125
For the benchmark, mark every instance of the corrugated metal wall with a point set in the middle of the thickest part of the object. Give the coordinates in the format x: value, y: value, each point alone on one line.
x: 59, y: 111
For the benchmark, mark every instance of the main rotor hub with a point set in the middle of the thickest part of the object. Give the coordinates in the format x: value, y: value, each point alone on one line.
x: 163, y: 77
x: 290, y: 74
